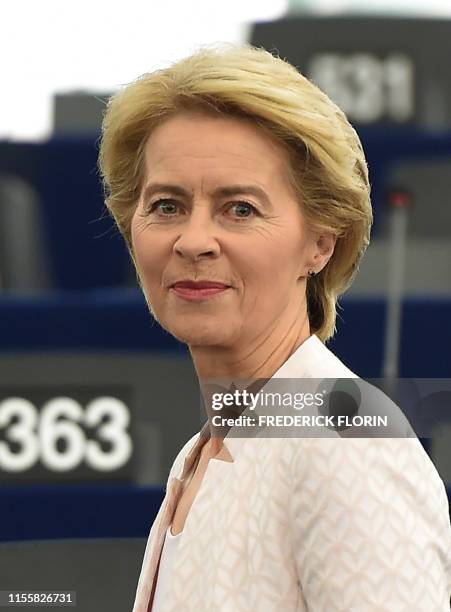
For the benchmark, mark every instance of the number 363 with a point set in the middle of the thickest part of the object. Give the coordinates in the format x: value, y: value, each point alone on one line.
x: 37, y: 434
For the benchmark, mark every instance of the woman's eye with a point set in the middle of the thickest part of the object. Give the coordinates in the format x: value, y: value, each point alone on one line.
x: 242, y: 209
x: 167, y: 206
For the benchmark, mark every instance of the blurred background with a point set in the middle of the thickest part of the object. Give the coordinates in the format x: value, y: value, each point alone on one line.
x: 89, y: 384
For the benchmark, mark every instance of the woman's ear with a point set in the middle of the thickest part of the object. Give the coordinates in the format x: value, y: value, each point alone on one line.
x: 324, y: 245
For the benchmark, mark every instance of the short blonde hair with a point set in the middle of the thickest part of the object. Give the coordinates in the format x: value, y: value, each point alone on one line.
x: 327, y: 169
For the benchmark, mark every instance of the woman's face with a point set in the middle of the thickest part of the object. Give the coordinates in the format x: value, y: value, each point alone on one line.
x: 187, y: 227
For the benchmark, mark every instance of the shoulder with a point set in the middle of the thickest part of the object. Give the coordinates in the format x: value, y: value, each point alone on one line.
x: 368, y: 472
x: 370, y: 400
x: 365, y: 473
x: 375, y: 447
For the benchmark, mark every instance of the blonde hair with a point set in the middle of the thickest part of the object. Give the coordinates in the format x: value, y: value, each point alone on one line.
x: 327, y: 168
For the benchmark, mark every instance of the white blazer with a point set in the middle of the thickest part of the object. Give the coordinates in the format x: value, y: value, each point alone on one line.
x: 307, y: 524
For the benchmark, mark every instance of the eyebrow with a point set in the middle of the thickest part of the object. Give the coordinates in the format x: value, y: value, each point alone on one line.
x: 230, y: 190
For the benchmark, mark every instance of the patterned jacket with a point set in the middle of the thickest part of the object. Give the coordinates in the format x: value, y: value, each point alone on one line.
x: 317, y: 524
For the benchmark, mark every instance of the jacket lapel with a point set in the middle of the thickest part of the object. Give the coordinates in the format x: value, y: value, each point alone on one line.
x: 146, y: 584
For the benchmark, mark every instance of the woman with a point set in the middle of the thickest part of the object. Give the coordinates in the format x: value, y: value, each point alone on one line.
x: 242, y: 193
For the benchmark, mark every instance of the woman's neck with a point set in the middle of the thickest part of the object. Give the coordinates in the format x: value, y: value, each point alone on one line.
x: 259, y: 359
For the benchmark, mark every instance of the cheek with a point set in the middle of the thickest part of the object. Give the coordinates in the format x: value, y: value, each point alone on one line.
x: 148, y: 254
x: 265, y: 279
x: 136, y: 233
x: 278, y: 263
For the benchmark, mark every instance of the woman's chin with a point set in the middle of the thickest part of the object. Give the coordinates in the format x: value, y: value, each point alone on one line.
x: 200, y: 334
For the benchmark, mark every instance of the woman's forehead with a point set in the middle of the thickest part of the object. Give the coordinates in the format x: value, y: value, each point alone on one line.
x: 195, y: 141
x: 195, y: 128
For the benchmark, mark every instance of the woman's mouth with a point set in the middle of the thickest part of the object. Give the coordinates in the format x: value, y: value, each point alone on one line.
x: 195, y: 292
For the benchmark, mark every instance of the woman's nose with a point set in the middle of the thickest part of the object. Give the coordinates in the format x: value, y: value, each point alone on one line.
x: 197, y: 236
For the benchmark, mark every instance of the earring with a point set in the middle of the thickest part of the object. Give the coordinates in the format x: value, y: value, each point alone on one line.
x: 311, y: 273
